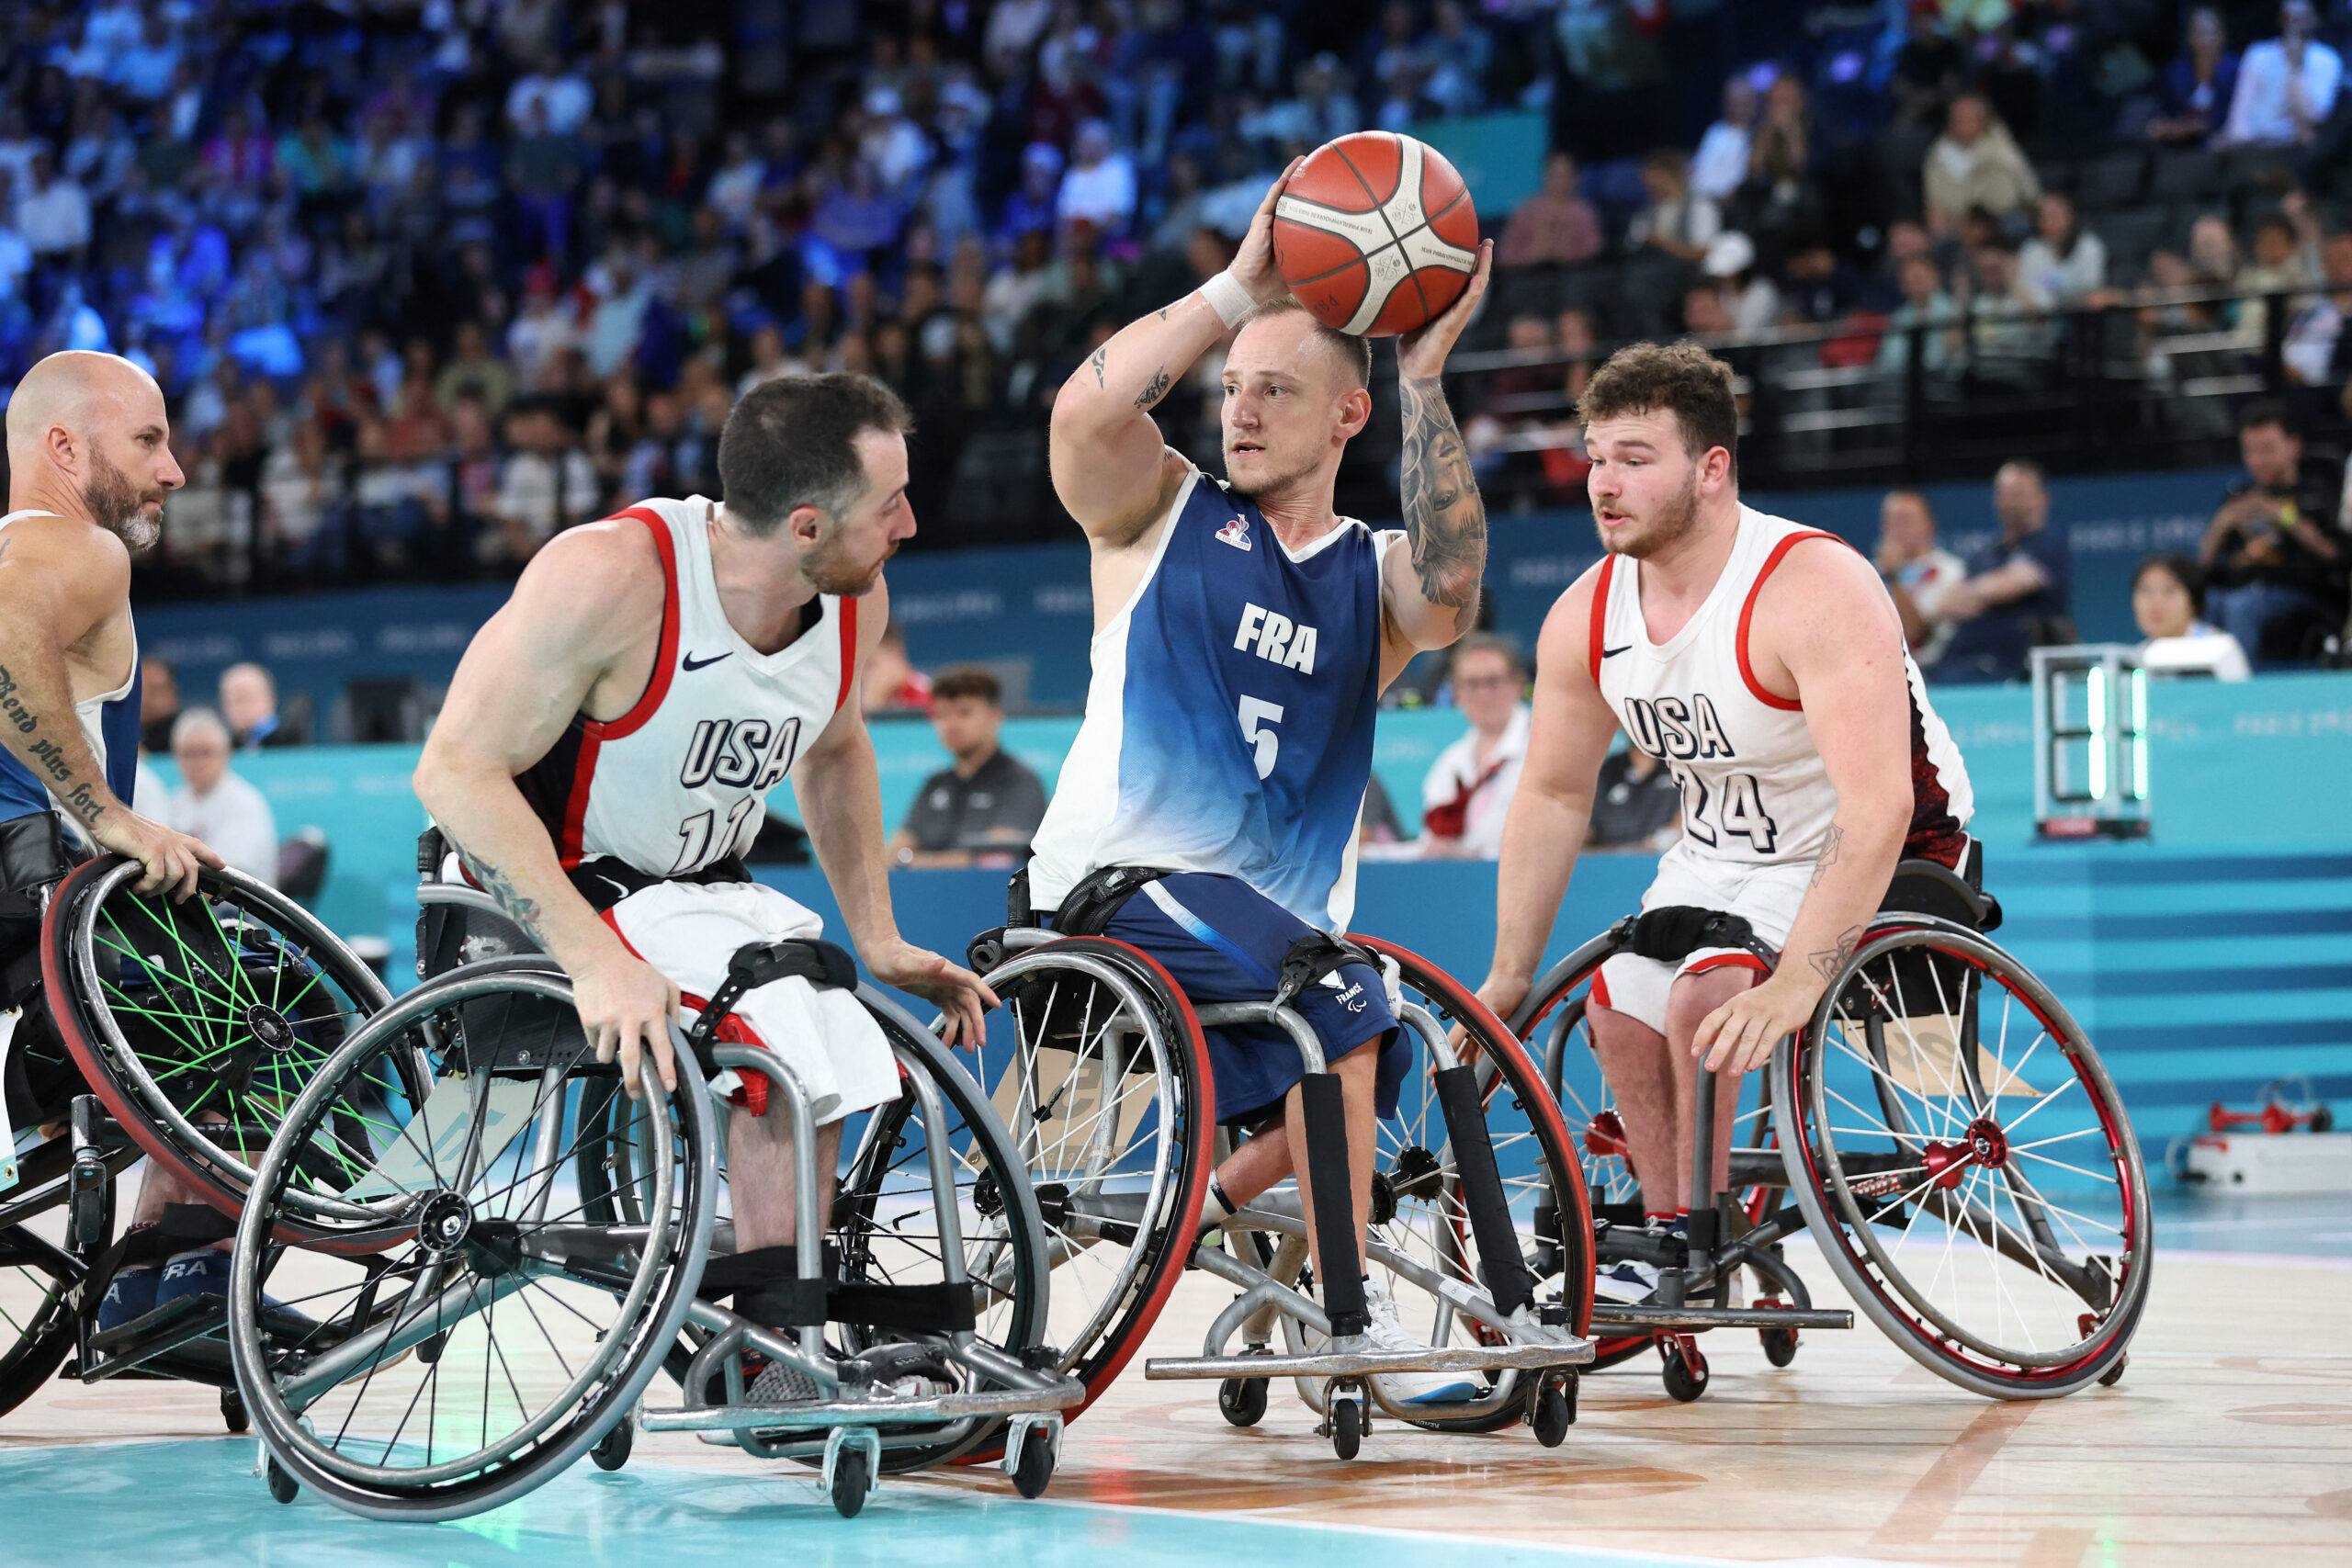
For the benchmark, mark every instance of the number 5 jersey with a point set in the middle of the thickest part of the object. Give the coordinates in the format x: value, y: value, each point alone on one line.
x: 680, y: 781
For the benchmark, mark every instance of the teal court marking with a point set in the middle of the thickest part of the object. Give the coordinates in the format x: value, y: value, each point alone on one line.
x: 198, y: 1504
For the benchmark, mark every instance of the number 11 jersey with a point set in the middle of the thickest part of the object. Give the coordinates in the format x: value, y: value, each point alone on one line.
x: 680, y: 781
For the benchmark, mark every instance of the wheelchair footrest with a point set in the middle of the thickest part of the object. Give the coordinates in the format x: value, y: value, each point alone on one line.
x: 1337, y: 1363
x: 1046, y: 1394
x: 1682, y: 1319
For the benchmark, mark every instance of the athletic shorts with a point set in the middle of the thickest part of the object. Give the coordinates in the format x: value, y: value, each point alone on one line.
x: 689, y: 931
x: 1222, y: 940
x: 1767, y: 897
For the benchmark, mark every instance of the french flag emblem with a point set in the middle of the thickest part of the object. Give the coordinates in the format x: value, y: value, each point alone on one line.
x: 1236, y: 533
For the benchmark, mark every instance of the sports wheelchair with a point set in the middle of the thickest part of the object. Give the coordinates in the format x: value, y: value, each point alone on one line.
x: 178, y: 1031
x: 1980, y: 1198
x: 1480, y: 1228
x: 518, y: 1247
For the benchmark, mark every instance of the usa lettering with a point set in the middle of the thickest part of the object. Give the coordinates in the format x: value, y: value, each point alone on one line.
x: 749, y: 753
x: 1674, y: 731
x: 1272, y: 635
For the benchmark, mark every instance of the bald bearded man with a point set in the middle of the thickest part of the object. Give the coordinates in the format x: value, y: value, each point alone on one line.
x: 89, y: 465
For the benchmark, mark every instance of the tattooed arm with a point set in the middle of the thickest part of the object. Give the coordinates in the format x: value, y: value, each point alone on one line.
x: 1110, y: 466
x: 1431, y: 589
x: 1826, y: 634
x: 576, y: 632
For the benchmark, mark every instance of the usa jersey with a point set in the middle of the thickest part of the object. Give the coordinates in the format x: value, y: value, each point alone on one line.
x: 1228, y: 721
x: 681, y: 780
x: 1754, y: 789
x: 109, y: 722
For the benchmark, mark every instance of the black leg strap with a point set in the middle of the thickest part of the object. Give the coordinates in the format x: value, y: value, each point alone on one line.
x: 769, y: 1290
x: 1674, y: 932
x: 824, y: 965
x: 1312, y: 957
x: 1482, y: 1189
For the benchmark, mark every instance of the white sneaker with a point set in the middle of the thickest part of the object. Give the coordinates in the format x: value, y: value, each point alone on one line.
x: 1386, y: 1333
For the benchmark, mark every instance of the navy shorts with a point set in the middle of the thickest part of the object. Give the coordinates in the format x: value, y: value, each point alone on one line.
x: 1223, y: 941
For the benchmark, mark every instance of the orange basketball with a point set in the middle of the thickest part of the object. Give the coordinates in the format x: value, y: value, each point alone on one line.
x: 1376, y: 233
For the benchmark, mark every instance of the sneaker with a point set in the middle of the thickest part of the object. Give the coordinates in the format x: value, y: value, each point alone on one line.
x: 129, y: 1294
x: 780, y: 1383
x: 201, y: 1272
x: 1386, y: 1333
x: 1630, y: 1283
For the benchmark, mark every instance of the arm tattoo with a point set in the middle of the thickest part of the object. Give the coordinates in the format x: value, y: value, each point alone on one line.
x: 1154, y: 389
x: 1445, y: 522
x: 73, y: 793
x: 1102, y: 358
x: 1826, y: 962
x: 510, y: 898
x: 1830, y: 845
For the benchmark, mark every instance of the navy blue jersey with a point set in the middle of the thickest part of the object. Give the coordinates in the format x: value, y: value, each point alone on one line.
x: 1229, y: 723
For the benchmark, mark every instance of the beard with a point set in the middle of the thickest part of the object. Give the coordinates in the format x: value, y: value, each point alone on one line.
x: 1676, y: 518
x: 1272, y: 484
x: 829, y: 570
x: 115, y: 504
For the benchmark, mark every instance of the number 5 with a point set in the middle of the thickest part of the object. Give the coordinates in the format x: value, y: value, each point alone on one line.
x: 1254, y: 712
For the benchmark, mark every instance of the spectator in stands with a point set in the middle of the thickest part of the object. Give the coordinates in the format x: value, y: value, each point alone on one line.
x: 1720, y: 166
x: 2064, y: 262
x: 1676, y: 220
x: 1467, y: 791
x: 2272, y: 556
x: 1822, y: 286
x: 2278, y: 266
x: 1781, y: 192
x: 982, y: 809
x: 546, y: 484
x: 1514, y: 394
x: 2198, y: 85
x: 473, y: 369
x: 249, y: 704
x: 1750, y: 300
x: 52, y: 212
x: 2317, y: 352
x: 1100, y: 186
x: 1916, y: 570
x: 2010, y: 337
x: 214, y: 806
x: 2019, y: 590
x: 302, y: 504
x: 1555, y: 227
x: 1637, y: 805
x: 1975, y: 163
x: 1929, y: 69
x: 892, y: 682
x: 2286, y: 86
x: 1926, y: 304
x: 159, y: 703
x: 2169, y: 603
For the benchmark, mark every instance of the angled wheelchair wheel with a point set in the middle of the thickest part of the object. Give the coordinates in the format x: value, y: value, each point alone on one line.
x: 1422, y: 1242
x: 478, y: 1333
x: 1097, y: 1066
x: 38, y: 1268
x: 197, y: 1023
x: 1967, y: 1165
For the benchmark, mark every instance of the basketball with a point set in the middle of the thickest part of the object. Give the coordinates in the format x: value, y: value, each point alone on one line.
x: 1376, y: 233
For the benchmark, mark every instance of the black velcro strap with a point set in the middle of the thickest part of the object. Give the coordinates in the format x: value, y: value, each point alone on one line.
x: 604, y: 881
x: 728, y: 1272
x: 1017, y: 912
x: 1673, y: 933
x: 1099, y: 895
x: 1311, y: 957
x: 824, y: 965
x: 194, y: 1224
x: 182, y: 1228
x: 787, y: 1303
x: 905, y: 1309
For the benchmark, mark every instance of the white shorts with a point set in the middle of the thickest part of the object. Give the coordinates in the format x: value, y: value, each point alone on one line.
x: 689, y: 931
x: 1766, y: 897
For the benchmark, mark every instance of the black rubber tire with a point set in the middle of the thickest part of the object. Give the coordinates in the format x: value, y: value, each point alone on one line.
x: 282, y: 1485
x: 1685, y: 1377
x: 233, y: 1415
x: 1779, y: 1345
x: 1347, y: 1428
x: 2114, y: 1374
x: 852, y: 1478
x: 31, y: 1351
x: 1033, y: 1472
x: 1242, y: 1400
x: 612, y: 1450
x: 1554, y: 1415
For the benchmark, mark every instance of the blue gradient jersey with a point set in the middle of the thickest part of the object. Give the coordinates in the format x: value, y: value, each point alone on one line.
x: 1228, y: 722
x: 109, y: 722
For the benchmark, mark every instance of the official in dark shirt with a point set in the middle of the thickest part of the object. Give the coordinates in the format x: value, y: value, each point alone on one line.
x: 2272, y: 555
x: 2019, y: 590
x: 1635, y: 803
x: 982, y: 811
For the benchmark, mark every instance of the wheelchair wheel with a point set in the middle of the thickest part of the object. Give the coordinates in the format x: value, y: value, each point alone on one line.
x: 1967, y: 1165
x: 37, y: 1271
x: 197, y: 1024
x: 1097, y: 1065
x: 489, y: 1334
x: 1418, y: 1211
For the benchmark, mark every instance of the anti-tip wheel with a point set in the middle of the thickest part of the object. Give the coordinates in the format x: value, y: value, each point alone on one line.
x: 1242, y: 1400
x: 233, y: 1411
x: 1685, y: 1374
x: 1347, y: 1428
x: 1554, y: 1413
x: 852, y: 1478
x: 612, y: 1450
x: 2114, y: 1374
x: 1035, y: 1471
x: 282, y: 1485
x: 1779, y: 1345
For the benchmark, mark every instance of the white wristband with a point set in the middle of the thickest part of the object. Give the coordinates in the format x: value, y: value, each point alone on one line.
x: 1226, y: 295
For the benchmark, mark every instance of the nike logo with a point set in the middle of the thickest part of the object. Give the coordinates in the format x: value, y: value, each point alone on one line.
x: 692, y: 664
x: 1605, y: 653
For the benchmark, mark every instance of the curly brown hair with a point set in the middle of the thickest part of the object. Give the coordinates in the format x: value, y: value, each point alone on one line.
x: 1680, y: 379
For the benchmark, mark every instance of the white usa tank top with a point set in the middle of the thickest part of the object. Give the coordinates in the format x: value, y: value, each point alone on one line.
x: 680, y: 781
x: 1754, y: 790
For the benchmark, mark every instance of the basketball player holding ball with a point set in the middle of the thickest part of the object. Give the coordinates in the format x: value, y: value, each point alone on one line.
x: 1244, y: 631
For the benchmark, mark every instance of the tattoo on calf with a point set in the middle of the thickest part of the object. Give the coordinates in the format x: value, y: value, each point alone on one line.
x: 1445, y: 520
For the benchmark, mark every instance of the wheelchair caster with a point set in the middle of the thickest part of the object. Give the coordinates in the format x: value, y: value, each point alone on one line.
x: 1685, y: 1372
x: 87, y: 1221
x: 612, y: 1450
x: 1347, y: 1428
x: 1555, y: 1411
x: 2114, y: 1374
x: 233, y: 1411
x: 1242, y: 1400
x: 1779, y: 1345
x: 282, y: 1485
x: 852, y: 1478
x: 1034, y: 1471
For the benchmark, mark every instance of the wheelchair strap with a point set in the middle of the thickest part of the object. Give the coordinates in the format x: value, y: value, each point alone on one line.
x: 184, y: 1226
x: 827, y: 966
x: 769, y: 1290
x: 1311, y: 957
x: 1675, y: 932
x: 1099, y: 896
x: 604, y: 881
